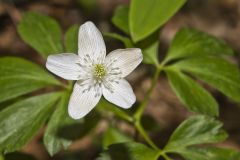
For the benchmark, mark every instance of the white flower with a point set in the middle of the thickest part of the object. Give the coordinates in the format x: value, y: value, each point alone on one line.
x: 96, y: 73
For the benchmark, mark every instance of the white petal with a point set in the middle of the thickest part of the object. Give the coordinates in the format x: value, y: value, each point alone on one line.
x: 81, y: 103
x: 64, y: 65
x: 122, y: 94
x: 90, y: 41
x: 125, y: 59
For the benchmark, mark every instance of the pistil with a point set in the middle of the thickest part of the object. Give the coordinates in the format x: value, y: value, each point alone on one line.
x: 99, y: 71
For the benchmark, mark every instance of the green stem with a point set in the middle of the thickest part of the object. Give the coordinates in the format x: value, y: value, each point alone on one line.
x: 141, y: 130
x: 124, y: 116
x: 165, y: 61
x: 117, y: 111
x: 138, y: 114
x: 163, y: 154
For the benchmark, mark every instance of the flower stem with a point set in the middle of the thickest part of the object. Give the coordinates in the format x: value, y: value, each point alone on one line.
x: 143, y: 133
x: 163, y: 154
x: 138, y: 114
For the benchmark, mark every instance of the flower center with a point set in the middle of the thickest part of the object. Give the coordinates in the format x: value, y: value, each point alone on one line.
x: 99, y: 71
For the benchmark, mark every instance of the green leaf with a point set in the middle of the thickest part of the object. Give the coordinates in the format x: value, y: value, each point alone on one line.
x: 190, y: 42
x: 217, y: 72
x: 126, y: 41
x: 120, y: 18
x: 63, y: 130
x: 146, y: 16
x: 76, y: 129
x: 21, y: 121
x: 209, y: 153
x: 41, y: 32
x: 195, y: 130
x: 71, y: 39
x: 150, y: 47
x: 150, y: 54
x: 191, y: 94
x: 129, y: 151
x: 113, y: 135
x: 19, y: 77
x: 53, y: 142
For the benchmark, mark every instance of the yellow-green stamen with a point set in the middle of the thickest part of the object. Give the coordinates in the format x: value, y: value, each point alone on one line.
x: 99, y: 71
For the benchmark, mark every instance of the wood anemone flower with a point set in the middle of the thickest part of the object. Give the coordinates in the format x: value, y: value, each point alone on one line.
x: 95, y: 73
